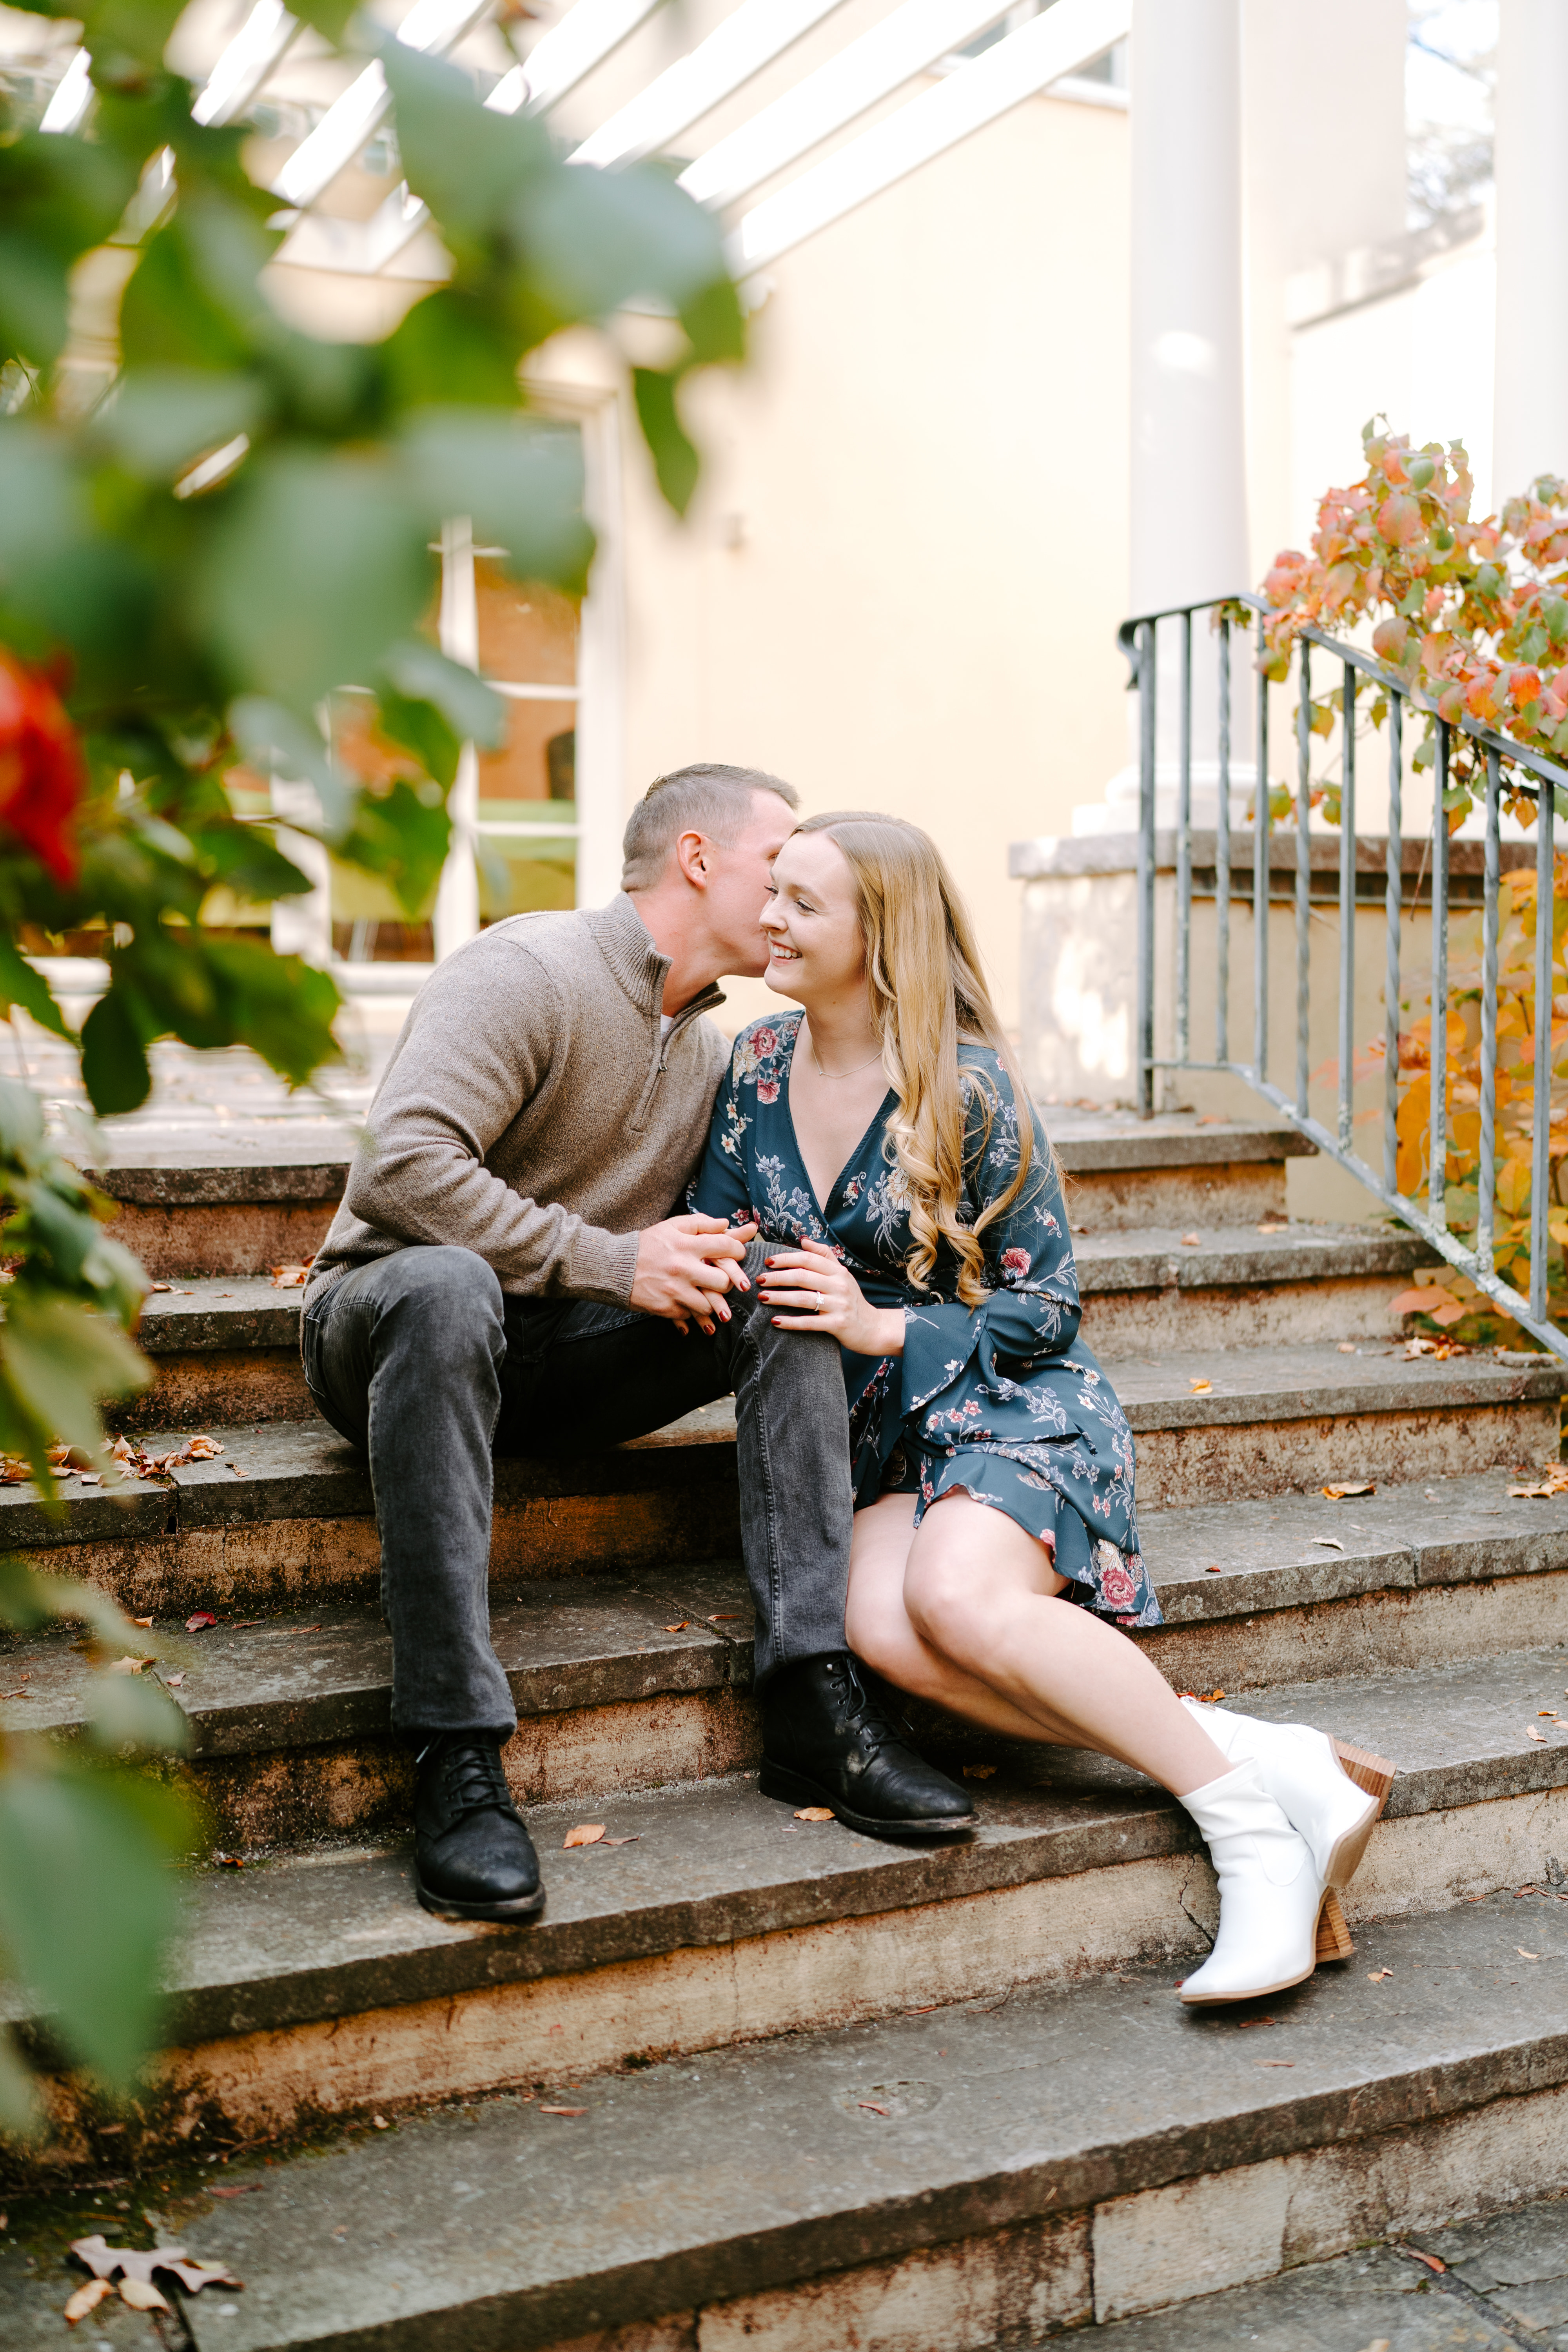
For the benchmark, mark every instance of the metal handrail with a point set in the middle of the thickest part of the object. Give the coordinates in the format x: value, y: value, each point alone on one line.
x: 1138, y: 638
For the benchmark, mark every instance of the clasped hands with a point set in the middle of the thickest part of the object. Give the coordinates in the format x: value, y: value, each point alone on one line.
x: 687, y: 1265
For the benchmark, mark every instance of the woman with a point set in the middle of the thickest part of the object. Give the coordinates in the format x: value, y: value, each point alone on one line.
x: 883, y: 1135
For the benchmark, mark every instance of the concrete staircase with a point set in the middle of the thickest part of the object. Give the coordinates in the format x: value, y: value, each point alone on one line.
x: 757, y: 2078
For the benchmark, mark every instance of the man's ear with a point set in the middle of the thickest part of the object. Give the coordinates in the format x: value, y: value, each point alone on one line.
x: 694, y: 856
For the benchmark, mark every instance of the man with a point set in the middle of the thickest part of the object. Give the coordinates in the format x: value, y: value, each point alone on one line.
x: 505, y: 1274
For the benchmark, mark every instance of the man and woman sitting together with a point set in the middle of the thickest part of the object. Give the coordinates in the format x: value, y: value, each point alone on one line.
x: 577, y: 1212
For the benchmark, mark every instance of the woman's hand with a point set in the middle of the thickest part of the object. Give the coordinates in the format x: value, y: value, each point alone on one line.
x: 824, y: 1296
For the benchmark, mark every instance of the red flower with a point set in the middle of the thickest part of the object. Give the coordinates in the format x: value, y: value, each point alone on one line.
x: 1014, y: 1264
x: 767, y: 1091
x: 1117, y: 1589
x: 42, y: 772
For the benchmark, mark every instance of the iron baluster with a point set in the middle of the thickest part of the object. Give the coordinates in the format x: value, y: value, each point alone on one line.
x: 1347, y: 907
x: 1485, y: 1174
x: 1260, y: 830
x: 1541, y: 1142
x: 1184, y: 851
x: 1221, y: 859
x: 1438, y: 1157
x: 1393, y: 902
x: 1145, y: 1040
x: 1304, y: 881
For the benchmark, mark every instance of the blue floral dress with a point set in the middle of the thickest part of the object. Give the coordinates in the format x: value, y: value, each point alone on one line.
x: 1003, y: 1400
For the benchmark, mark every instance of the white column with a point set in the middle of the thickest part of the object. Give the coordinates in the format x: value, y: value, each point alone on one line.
x: 1189, y: 473
x: 457, y: 912
x: 1531, y: 429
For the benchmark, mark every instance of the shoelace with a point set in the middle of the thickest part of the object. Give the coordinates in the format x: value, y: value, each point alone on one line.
x: 873, y: 1723
x: 474, y: 1780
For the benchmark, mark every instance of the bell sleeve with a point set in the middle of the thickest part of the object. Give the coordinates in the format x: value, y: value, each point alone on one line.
x: 721, y: 1186
x: 1032, y: 1314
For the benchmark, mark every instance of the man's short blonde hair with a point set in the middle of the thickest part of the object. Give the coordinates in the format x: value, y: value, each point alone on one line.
x: 708, y: 798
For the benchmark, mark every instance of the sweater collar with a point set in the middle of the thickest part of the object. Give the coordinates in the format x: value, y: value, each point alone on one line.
x: 626, y: 946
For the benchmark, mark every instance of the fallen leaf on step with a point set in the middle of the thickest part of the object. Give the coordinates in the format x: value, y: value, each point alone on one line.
x: 138, y: 2266
x: 1416, y: 2256
x: 1197, y: 1387
x: 229, y: 1861
x: 1274, y: 2062
x: 1553, y: 1481
x: 200, y: 1449
x: 1524, y: 1955
x: 874, y: 2106
x: 1550, y: 1712
x: 1271, y: 1229
x: 1349, y: 1347
x: 203, y: 1617
x: 725, y: 1616
x: 1530, y: 1733
x: 141, y: 1620
x: 248, y: 2189
x: 978, y: 1771
x: 1214, y: 1568
x: 160, y: 1286
x: 680, y: 1628
x: 815, y: 1813
x: 290, y: 1278
x: 87, y: 2298
x: 237, y: 1470
x: 1429, y: 1298
x: 173, y: 1682
x: 1357, y: 1486
x: 1375, y: 1976
x: 1330, y: 1543
x: 1244, y: 2023
x: 562, y: 2110
x: 634, y: 1840
x: 1192, y: 1241
x: 1081, y: 1229
x: 381, y: 2123
x: 585, y: 1833
x: 127, y: 1665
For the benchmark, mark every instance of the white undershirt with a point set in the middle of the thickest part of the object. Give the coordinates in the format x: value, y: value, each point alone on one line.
x: 666, y: 1022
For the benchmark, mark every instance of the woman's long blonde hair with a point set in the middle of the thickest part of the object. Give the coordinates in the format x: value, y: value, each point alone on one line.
x: 924, y: 980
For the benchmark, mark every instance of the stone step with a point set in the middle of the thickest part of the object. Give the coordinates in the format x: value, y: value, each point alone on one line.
x: 1125, y: 1174
x: 624, y: 1680
x: 1495, y: 2284
x: 314, y: 1982
x: 1270, y: 1283
x: 227, y: 1347
x: 239, y: 1216
x: 191, y: 1215
x: 969, y: 2175
x: 286, y: 1510
x: 622, y: 1683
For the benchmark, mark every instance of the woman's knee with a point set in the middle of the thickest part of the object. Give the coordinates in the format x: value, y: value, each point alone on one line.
x: 948, y: 1608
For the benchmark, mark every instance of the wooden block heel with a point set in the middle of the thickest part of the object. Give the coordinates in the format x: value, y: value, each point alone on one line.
x: 1335, y: 1940
x: 1372, y: 1773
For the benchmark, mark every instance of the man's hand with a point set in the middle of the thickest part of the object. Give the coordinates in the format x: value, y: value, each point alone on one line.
x: 685, y: 1266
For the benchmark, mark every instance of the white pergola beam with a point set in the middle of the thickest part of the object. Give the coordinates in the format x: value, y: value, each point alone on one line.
x: 858, y: 78
x: 1068, y: 37
x: 757, y: 32
x: 245, y: 64
x: 70, y: 98
x: 433, y: 25
x: 587, y: 33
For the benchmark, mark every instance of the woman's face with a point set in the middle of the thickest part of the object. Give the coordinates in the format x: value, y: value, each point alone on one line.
x: 815, y: 947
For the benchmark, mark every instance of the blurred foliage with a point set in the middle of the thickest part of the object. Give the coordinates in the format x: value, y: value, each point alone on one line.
x: 195, y: 551
x: 200, y: 543
x: 1471, y: 616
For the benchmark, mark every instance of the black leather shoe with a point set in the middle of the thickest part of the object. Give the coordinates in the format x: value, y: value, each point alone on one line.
x: 473, y: 1858
x: 827, y: 1740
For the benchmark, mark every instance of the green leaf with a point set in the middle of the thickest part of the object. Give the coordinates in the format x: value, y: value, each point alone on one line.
x: 403, y: 836
x: 596, y: 239
x: 58, y: 197
x: 521, y: 481
x: 420, y: 729
x: 452, y: 349
x: 279, y: 1005
x: 159, y: 420
x: 475, y: 711
x: 135, y: 1711
x: 715, y: 323
x: 319, y: 564
x: 87, y: 1904
x: 467, y: 162
x: 114, y: 1057
x: 29, y: 1599
x: 278, y: 743
x: 675, y: 460
x: 328, y: 17
x: 42, y: 502
x: 21, y: 984
x: 57, y: 1360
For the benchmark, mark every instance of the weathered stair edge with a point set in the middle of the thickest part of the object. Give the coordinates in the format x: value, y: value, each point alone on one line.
x: 973, y: 2250
x: 540, y: 2008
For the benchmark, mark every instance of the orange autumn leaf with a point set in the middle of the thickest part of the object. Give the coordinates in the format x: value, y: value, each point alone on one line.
x: 585, y: 1833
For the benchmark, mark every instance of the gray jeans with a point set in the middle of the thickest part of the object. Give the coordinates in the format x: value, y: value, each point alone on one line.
x: 423, y: 1361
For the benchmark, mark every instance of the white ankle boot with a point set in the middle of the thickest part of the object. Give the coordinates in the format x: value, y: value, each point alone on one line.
x: 1270, y: 1894
x: 1331, y: 1793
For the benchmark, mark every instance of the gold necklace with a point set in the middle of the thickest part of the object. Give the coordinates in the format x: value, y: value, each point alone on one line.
x: 834, y: 1075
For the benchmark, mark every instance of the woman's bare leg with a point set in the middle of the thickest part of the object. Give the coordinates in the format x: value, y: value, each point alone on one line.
x: 983, y: 1632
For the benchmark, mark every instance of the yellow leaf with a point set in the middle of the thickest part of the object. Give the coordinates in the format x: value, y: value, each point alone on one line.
x: 585, y: 1833
x: 142, y: 2294
x: 1342, y: 1494
x: 815, y: 1813
x: 87, y: 2298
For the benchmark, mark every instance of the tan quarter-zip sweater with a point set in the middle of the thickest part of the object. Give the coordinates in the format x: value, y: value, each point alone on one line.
x: 530, y: 1110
